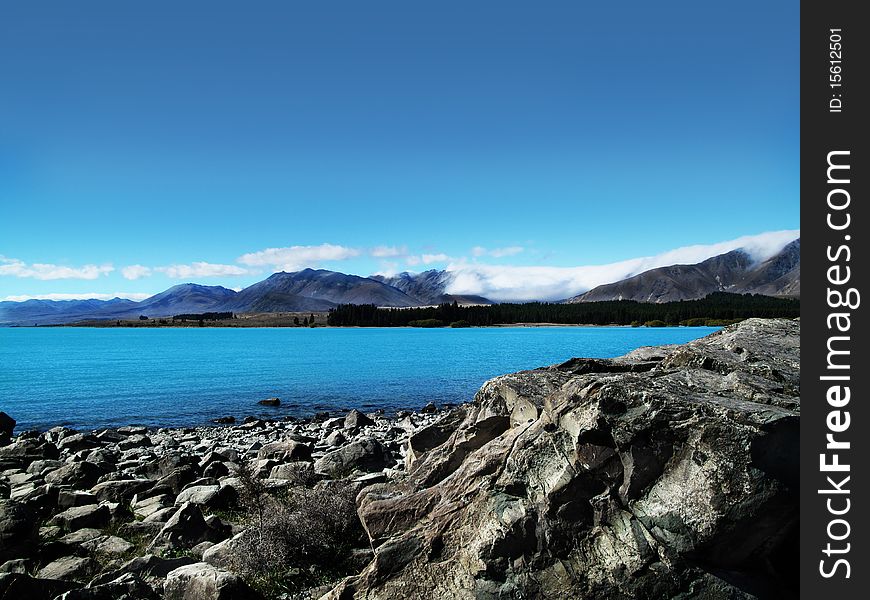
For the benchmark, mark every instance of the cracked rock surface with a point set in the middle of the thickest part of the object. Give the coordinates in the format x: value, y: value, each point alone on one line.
x: 670, y: 472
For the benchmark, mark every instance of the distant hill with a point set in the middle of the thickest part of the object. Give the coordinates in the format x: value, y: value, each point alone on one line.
x: 32, y: 312
x: 307, y: 290
x: 185, y: 298
x: 312, y: 289
x: 733, y: 272
x: 428, y: 287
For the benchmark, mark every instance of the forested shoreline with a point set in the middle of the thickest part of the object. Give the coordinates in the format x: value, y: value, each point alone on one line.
x: 716, y: 309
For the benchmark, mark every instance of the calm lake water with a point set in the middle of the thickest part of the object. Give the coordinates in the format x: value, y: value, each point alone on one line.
x: 90, y: 378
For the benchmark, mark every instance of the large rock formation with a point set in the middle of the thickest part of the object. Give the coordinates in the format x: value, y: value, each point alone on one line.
x: 666, y: 473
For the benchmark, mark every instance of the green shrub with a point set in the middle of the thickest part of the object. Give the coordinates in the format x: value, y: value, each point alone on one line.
x: 697, y: 322
x: 427, y: 323
x: 655, y: 323
x: 721, y: 322
x: 463, y: 323
x: 300, y: 540
x: 636, y: 323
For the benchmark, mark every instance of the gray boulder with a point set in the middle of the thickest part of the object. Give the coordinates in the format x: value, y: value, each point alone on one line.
x: 202, y: 581
x: 67, y: 567
x: 355, y: 419
x: 365, y: 454
x: 7, y: 424
x: 93, y: 516
x: 210, y: 496
x: 78, y: 475
x: 224, y: 553
x: 125, y: 587
x: 148, y: 567
x: 78, y: 441
x: 186, y: 529
x: 297, y: 472
x: 286, y: 450
x: 20, y: 586
x: 70, y: 498
x: 120, y: 490
x: 18, y: 528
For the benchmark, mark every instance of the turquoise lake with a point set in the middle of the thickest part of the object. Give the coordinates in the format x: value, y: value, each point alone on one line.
x: 91, y: 378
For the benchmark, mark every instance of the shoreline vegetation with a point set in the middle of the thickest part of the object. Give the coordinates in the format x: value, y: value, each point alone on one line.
x: 715, y: 310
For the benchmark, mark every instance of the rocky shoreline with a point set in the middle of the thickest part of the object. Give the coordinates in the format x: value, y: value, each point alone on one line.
x: 72, y: 501
x: 667, y: 473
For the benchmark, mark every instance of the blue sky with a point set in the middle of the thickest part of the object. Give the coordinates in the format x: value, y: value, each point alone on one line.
x: 146, y: 144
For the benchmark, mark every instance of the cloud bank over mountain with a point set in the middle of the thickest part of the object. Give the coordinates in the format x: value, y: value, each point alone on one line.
x: 518, y: 283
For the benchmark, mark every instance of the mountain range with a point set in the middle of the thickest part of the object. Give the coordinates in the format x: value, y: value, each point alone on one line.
x: 319, y: 290
x: 734, y: 272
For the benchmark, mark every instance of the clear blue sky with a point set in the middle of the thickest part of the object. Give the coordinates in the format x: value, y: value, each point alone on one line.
x: 544, y: 133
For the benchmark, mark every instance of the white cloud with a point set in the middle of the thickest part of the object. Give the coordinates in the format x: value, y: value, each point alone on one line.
x: 389, y: 268
x: 553, y: 283
x: 134, y: 272
x: 294, y: 258
x: 85, y: 296
x: 428, y: 259
x: 201, y: 269
x: 479, y: 251
x: 412, y: 261
x: 18, y: 268
x: 388, y: 251
x: 47, y: 271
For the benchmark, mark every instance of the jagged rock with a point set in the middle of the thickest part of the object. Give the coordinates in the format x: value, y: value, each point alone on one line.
x: 18, y: 528
x: 287, y: 450
x: 26, y: 450
x: 223, y: 553
x: 365, y: 454
x: 148, y: 506
x: 297, y: 472
x: 603, y: 481
x: 216, y: 470
x: 107, y: 545
x: 67, y: 567
x: 69, y: 498
x: 355, y: 419
x: 15, y: 586
x: 335, y: 439
x: 125, y: 587
x: 270, y: 402
x: 202, y: 581
x: 40, y: 498
x: 78, y: 475
x: 432, y: 436
x: 138, y: 440
x: 176, y: 480
x: 78, y: 517
x: 186, y: 529
x: 38, y: 467
x: 7, y: 424
x: 144, y: 567
x: 210, y: 496
x: 81, y: 535
x: 17, y: 565
x: 120, y: 490
x: 78, y: 441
